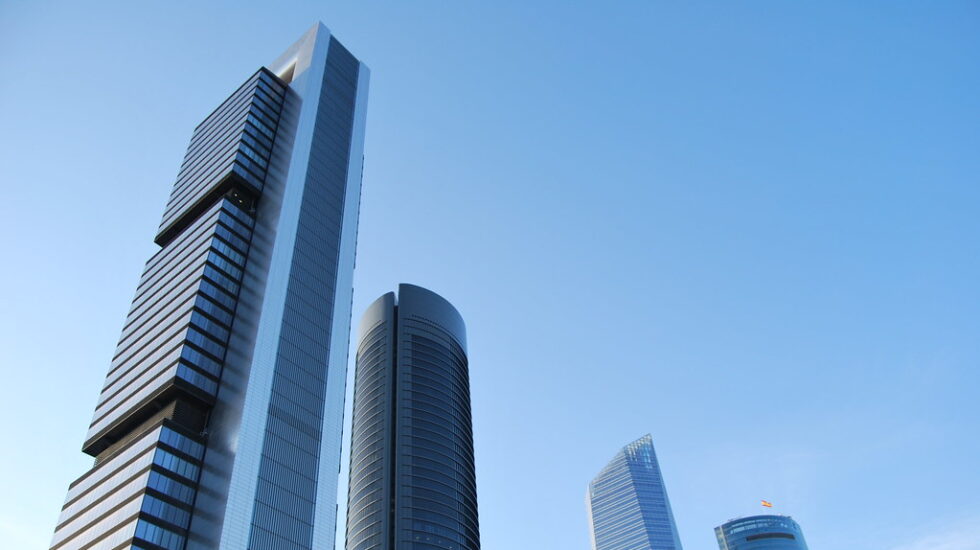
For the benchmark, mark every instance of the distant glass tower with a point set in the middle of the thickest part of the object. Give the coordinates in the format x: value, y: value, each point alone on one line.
x: 412, y: 479
x: 761, y: 533
x: 219, y: 424
x: 628, y: 505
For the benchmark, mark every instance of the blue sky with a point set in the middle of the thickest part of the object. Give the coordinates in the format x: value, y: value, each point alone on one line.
x: 749, y: 229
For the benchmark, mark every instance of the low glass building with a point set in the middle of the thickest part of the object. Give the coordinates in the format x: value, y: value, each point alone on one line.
x: 761, y: 533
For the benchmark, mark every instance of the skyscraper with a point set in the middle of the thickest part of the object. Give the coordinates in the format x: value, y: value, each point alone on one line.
x: 761, y: 533
x: 627, y: 503
x: 412, y: 479
x: 219, y: 424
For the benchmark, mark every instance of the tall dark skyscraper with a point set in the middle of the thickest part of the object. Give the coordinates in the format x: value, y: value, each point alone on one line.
x: 628, y: 505
x: 219, y: 424
x: 412, y: 480
x: 768, y: 532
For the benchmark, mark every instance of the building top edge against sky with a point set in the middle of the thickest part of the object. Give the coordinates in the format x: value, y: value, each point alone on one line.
x: 228, y: 383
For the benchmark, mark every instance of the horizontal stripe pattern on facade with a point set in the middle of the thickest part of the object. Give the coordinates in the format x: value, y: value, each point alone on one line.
x: 368, y: 498
x: 180, y: 321
x: 628, y: 504
x: 150, y: 481
x: 763, y: 532
x: 436, y: 481
x: 412, y: 475
x: 233, y: 144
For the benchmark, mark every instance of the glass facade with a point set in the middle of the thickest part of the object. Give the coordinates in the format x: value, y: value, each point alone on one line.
x: 412, y: 478
x: 767, y: 532
x: 628, y: 505
x: 239, y: 328
x: 230, y: 149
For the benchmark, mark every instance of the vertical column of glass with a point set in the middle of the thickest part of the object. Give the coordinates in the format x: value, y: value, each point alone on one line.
x: 436, y: 481
x: 294, y: 418
x: 368, y: 497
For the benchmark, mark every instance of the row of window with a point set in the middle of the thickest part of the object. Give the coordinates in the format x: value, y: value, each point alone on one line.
x: 205, y: 168
x: 201, y: 172
x: 173, y: 463
x: 212, y: 328
x: 234, y: 272
x: 267, y: 131
x: 212, y: 309
x: 271, y: 108
x: 171, y: 487
x: 232, y: 239
x: 165, y: 511
x: 249, y: 166
x: 258, y: 142
x: 206, y: 344
x: 218, y: 120
x: 253, y: 155
x: 429, y: 403
x: 160, y: 295
x: 221, y: 280
x: 201, y: 155
x: 458, y: 511
x: 269, y: 120
x: 234, y: 256
x: 420, y: 380
x: 218, y: 294
x: 272, y: 91
x: 197, y: 379
x: 245, y: 221
x: 433, y: 528
x: 271, y: 84
x: 154, y: 534
x: 182, y: 443
x: 201, y: 361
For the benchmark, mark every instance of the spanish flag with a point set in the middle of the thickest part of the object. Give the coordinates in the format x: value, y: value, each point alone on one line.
x: 767, y: 504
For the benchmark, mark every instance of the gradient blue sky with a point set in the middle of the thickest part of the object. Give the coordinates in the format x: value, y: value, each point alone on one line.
x: 748, y: 228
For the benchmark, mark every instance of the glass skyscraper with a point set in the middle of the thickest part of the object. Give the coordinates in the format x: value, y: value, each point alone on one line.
x: 761, y: 533
x: 412, y: 479
x: 219, y: 424
x: 627, y: 503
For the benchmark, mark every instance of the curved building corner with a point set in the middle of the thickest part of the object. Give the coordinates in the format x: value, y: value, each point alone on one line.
x: 412, y: 474
x: 765, y: 532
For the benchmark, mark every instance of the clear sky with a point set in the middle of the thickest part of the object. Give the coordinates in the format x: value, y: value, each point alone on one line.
x: 748, y: 228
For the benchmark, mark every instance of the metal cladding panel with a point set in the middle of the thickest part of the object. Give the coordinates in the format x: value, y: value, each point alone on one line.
x: 290, y: 455
x: 230, y: 150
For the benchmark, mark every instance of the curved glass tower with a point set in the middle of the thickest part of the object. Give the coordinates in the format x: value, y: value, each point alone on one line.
x: 761, y: 533
x: 628, y: 505
x: 412, y: 478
